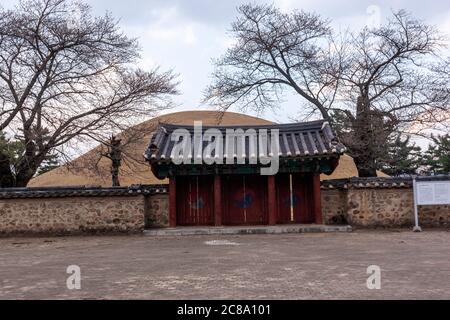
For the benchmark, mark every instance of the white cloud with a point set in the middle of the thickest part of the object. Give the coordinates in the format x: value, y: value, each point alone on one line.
x: 189, y: 35
x: 443, y: 23
x: 168, y: 25
x: 289, y: 5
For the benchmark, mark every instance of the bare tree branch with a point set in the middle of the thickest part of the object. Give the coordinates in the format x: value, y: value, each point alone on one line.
x: 70, y: 79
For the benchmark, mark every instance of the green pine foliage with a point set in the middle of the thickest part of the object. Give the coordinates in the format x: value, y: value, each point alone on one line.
x: 12, y: 151
x: 401, y: 158
x: 437, y: 158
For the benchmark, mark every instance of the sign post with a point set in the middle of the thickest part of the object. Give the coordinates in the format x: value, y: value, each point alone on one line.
x: 416, y: 228
x: 428, y: 193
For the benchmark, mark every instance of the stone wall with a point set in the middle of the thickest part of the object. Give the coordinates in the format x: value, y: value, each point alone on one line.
x: 384, y: 203
x: 78, y: 210
x: 438, y: 216
x: 58, y: 216
x: 380, y: 207
x: 60, y: 211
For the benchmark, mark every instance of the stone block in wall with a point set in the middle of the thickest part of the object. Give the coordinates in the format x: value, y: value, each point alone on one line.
x: 157, y: 211
x: 334, y: 211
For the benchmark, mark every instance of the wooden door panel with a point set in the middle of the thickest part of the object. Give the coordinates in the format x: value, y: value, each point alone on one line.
x: 194, y: 200
x: 283, y: 198
x: 245, y: 200
x: 301, y: 198
x: 302, y: 186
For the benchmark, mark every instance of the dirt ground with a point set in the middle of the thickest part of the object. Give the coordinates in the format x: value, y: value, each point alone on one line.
x: 290, y: 266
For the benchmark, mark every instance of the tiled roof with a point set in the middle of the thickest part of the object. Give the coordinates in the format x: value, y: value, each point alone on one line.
x: 82, y: 191
x: 298, y: 140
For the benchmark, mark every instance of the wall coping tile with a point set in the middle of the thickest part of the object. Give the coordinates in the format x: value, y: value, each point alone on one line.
x: 378, y: 182
x: 81, y: 191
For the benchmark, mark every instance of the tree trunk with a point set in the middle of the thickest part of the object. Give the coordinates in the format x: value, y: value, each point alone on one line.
x: 115, y: 176
x: 364, y: 148
x: 22, y: 180
x: 7, y: 178
x: 365, y: 166
x: 28, y: 167
x: 25, y: 172
x: 115, y: 155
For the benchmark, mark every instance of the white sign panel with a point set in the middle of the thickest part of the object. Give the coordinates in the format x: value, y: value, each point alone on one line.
x: 433, y: 192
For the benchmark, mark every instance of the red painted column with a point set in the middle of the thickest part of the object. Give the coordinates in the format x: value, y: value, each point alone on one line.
x: 317, y: 205
x: 217, y: 200
x: 172, y: 202
x: 272, y: 200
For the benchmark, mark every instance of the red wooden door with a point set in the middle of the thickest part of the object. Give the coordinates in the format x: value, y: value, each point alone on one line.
x: 245, y: 200
x: 195, y: 200
x: 300, y: 198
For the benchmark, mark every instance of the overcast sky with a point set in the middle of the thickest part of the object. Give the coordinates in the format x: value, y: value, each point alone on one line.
x: 184, y: 35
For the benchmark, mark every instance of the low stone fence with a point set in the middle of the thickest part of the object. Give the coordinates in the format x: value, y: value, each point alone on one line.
x: 368, y: 202
x: 378, y: 202
x: 78, y: 210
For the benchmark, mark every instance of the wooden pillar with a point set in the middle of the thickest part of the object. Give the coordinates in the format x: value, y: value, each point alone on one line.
x: 217, y: 200
x: 317, y: 205
x: 172, y: 202
x: 272, y: 200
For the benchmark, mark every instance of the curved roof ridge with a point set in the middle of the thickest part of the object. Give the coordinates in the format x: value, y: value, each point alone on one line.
x: 317, y: 124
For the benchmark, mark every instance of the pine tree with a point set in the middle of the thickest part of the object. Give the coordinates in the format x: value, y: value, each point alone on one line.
x: 8, y: 150
x: 51, y: 162
x: 401, y: 157
x: 437, y: 157
x: 12, y: 150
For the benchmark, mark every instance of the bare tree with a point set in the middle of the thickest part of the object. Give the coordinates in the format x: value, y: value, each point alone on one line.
x: 275, y: 51
x: 72, y: 78
x: 378, y: 81
x: 121, y: 152
x: 390, y: 81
